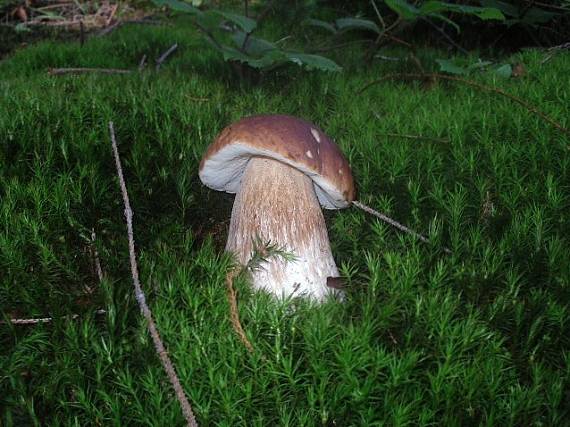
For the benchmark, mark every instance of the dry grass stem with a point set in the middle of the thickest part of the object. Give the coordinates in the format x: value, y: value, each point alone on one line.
x: 140, y: 297
x: 553, y: 50
x: 234, y: 313
x: 435, y: 76
x: 61, y: 71
x: 427, y: 138
x: 142, y: 62
x: 110, y: 28
x: 165, y: 55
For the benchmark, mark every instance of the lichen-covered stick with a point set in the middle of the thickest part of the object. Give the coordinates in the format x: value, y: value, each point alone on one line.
x: 160, y: 349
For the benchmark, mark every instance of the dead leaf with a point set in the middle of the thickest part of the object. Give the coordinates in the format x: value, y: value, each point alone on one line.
x: 21, y: 14
x: 518, y: 70
x: 335, y: 282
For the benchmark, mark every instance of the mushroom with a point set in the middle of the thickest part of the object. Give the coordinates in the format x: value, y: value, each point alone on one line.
x: 280, y: 168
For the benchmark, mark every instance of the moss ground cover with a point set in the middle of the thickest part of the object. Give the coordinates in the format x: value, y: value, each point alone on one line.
x: 478, y: 337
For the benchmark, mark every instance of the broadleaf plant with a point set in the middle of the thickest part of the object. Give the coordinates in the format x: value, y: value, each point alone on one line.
x: 436, y: 9
x: 245, y: 49
x: 458, y: 67
x: 343, y: 25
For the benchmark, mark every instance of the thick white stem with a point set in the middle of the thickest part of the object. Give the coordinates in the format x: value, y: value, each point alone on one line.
x: 278, y: 203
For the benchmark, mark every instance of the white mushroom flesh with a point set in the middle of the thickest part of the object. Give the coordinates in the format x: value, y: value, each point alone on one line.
x: 277, y: 203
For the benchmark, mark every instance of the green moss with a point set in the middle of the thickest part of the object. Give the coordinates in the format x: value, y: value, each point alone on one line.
x: 475, y: 338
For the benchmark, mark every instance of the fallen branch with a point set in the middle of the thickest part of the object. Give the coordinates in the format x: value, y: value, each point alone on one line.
x: 61, y: 71
x: 546, y: 5
x: 109, y: 28
x: 399, y: 40
x: 393, y: 223
x: 42, y: 319
x: 553, y: 50
x: 147, y: 22
x: 111, y: 15
x: 197, y: 99
x: 339, y: 46
x: 142, y: 62
x: 432, y: 76
x: 260, y: 18
x: 427, y: 138
x: 118, y: 23
x: 88, y: 290
x: 378, y: 42
x: 165, y: 55
x: 446, y: 36
x: 81, y: 34
x: 140, y: 297
x: 141, y: 66
x: 389, y: 58
x: 96, y: 260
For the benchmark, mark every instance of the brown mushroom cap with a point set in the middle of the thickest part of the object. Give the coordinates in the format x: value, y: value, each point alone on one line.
x: 287, y: 139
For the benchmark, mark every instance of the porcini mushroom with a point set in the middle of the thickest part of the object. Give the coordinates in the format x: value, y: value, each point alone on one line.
x: 281, y: 168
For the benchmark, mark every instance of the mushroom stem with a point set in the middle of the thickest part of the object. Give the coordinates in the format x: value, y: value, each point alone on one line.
x: 278, y: 203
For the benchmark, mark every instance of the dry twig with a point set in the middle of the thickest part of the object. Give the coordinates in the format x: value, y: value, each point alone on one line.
x: 553, y: 50
x: 36, y: 321
x: 61, y: 71
x: 427, y: 138
x: 165, y: 55
x: 160, y: 349
x: 547, y: 5
x: 111, y: 14
x: 446, y: 36
x: 110, y: 28
x: 96, y: 260
x: 88, y: 290
x: 393, y: 223
x: 433, y: 76
x: 142, y: 63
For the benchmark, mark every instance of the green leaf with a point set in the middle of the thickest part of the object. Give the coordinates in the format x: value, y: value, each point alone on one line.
x: 270, y: 59
x: 312, y: 62
x: 178, y: 6
x: 479, y: 65
x: 233, y: 54
x: 451, y: 67
x: 504, y: 70
x: 212, y: 43
x: 321, y: 24
x: 446, y: 19
x: 488, y: 14
x: 455, y: 66
x: 506, y: 8
x: 209, y: 20
x: 484, y: 13
x: 22, y: 28
x: 348, y: 24
x: 245, y: 23
x: 254, y: 46
x: 536, y: 15
x: 403, y: 8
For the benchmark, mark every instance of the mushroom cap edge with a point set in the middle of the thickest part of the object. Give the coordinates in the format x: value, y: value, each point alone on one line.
x: 287, y: 139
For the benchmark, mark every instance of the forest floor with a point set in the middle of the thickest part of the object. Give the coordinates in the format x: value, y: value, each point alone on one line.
x: 475, y: 337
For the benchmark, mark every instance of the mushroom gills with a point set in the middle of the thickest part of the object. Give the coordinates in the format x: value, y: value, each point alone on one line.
x: 277, y: 203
